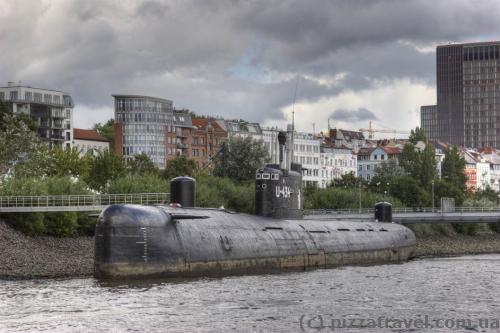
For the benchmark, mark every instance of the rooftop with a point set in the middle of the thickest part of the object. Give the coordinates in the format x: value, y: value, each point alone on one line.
x: 86, y: 134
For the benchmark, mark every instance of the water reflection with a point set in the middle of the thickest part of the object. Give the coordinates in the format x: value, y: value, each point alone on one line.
x: 437, y: 288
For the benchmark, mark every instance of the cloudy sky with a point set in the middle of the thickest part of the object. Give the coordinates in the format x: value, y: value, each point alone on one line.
x: 349, y: 61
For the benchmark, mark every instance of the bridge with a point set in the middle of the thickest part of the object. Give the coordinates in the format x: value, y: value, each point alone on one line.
x: 414, y: 215
x: 97, y: 202
x: 76, y: 203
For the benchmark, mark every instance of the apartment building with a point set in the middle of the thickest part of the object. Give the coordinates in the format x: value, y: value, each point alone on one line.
x: 141, y: 126
x: 336, y: 162
x: 207, y: 137
x: 51, y: 110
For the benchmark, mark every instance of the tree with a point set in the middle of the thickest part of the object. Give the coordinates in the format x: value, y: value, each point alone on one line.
x: 409, y: 160
x: 386, y: 172
x: 18, y: 144
x: 417, y: 135
x: 453, y: 168
x: 420, y: 165
x: 445, y: 189
x: 103, y: 168
x: 427, y: 166
x: 179, y: 166
x: 107, y: 130
x: 347, y: 180
x: 407, y: 189
x: 141, y: 164
x: 239, y: 158
x: 66, y: 162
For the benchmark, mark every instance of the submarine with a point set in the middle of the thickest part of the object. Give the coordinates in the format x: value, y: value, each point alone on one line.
x: 180, y: 240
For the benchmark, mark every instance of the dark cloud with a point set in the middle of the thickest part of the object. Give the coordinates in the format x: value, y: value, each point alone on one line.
x: 233, y: 58
x: 361, y: 114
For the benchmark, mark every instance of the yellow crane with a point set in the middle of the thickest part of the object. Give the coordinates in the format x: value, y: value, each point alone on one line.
x: 372, y: 130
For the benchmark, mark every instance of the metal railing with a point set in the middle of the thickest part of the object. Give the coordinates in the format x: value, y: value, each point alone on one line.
x: 83, y: 200
x: 401, y: 210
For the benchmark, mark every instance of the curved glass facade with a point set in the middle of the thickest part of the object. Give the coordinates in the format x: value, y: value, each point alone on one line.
x: 144, y: 120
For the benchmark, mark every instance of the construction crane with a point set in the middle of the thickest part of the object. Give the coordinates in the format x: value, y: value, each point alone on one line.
x: 372, y: 130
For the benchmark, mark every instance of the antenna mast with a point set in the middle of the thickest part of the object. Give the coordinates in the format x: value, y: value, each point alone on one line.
x: 292, y: 141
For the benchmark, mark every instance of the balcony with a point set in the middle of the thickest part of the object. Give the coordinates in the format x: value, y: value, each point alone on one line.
x: 182, y: 146
x: 57, y: 124
x: 57, y: 137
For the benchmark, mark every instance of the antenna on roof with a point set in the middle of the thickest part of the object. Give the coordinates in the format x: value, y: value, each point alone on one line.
x: 293, y: 105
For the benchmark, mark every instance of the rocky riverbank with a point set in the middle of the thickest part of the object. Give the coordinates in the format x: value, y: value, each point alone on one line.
x: 24, y: 257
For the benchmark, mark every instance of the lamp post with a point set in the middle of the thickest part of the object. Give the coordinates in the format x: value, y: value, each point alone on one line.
x: 432, y: 183
x: 360, y: 196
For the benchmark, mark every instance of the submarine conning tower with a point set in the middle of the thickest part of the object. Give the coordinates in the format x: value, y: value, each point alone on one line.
x: 278, y: 187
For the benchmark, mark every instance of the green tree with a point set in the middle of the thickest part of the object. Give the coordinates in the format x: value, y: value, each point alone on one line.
x: 19, y: 145
x: 140, y: 164
x: 444, y: 189
x: 179, y: 166
x: 420, y: 165
x: 107, y: 130
x: 103, y: 168
x: 385, y: 173
x: 66, y: 162
x: 407, y: 189
x: 453, y: 168
x: 417, y: 135
x: 347, y: 180
x: 410, y: 161
x: 239, y: 158
x: 428, y: 166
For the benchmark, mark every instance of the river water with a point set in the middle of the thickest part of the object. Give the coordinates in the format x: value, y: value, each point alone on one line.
x: 460, y: 294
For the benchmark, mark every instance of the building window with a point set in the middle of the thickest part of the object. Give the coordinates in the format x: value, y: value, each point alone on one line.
x: 57, y: 100
x: 2, y: 96
x: 27, y: 96
x: 13, y: 95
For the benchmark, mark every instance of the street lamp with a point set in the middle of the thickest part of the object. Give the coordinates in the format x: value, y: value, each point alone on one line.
x: 432, y: 183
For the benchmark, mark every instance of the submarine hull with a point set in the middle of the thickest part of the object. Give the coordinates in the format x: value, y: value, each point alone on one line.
x: 138, y: 241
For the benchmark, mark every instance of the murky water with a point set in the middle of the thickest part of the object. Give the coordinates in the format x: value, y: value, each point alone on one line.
x: 447, y: 292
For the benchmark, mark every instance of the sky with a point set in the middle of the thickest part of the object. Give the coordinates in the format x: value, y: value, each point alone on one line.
x: 343, y: 62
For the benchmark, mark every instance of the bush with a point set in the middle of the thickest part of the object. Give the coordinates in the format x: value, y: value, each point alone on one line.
x: 145, y: 183
x: 58, y: 224
x: 233, y: 195
x: 61, y: 224
x: 344, y: 198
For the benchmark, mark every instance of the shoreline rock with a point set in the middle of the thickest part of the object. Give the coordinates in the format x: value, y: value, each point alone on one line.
x: 24, y: 257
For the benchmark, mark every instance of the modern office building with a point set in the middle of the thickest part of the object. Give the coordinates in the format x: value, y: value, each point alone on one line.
x: 141, y: 126
x: 468, y: 94
x: 51, y: 110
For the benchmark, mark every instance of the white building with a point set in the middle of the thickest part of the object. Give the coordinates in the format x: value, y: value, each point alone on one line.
x: 51, y: 110
x: 493, y: 157
x: 242, y: 129
x: 477, y: 170
x: 307, y: 153
x: 85, y: 140
x: 336, y: 162
x: 370, y: 158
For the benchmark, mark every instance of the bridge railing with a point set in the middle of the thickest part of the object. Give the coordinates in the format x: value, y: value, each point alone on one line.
x: 83, y: 200
x: 401, y: 210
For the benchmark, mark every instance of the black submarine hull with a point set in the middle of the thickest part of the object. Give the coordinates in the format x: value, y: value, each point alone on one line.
x: 139, y: 241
